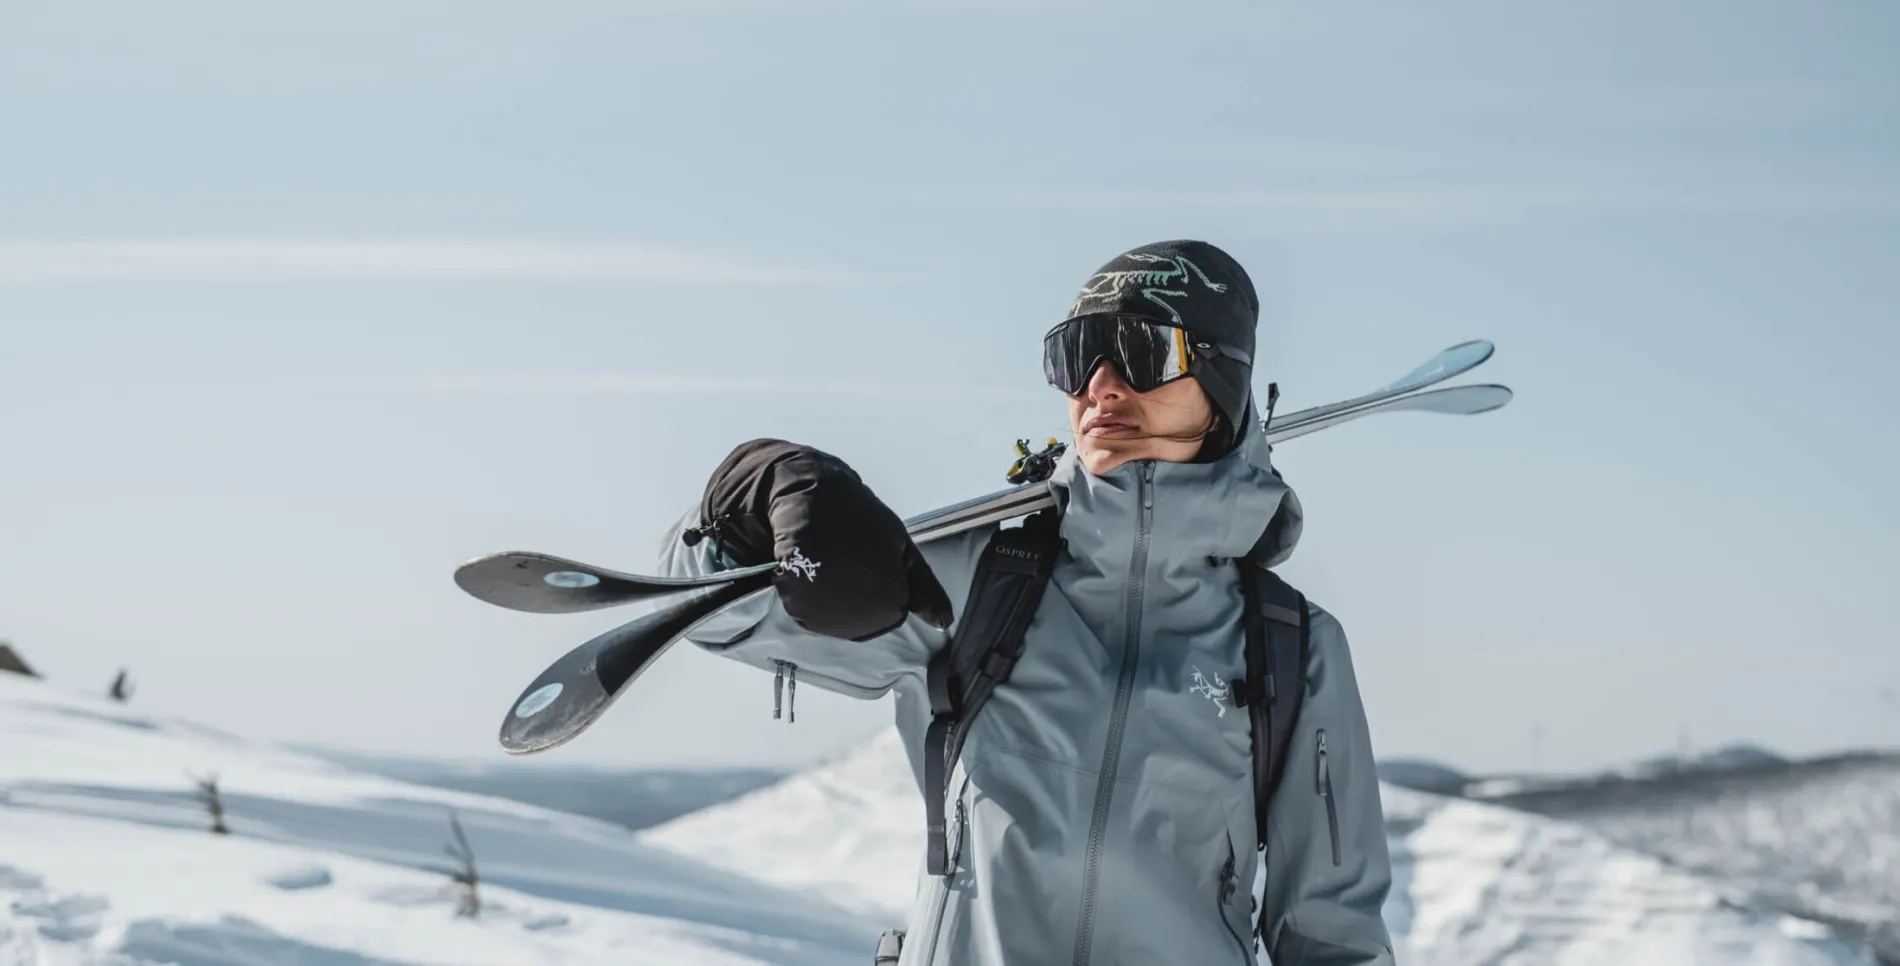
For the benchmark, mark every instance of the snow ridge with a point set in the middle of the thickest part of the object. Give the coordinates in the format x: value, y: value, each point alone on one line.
x: 1819, y: 838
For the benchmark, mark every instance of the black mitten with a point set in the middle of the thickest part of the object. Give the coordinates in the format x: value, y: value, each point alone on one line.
x: 849, y: 568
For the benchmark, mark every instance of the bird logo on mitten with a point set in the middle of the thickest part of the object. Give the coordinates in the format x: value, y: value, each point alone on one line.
x: 799, y: 565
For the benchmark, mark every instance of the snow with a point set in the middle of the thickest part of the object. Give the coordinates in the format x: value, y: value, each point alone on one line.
x: 1478, y: 883
x: 149, y: 893
x: 1474, y: 884
x: 635, y: 798
x: 1820, y: 839
x: 106, y: 860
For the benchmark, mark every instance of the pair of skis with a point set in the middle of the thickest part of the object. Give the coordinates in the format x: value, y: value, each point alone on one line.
x: 573, y: 692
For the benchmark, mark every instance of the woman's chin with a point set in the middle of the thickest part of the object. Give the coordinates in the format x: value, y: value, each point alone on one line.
x: 1100, y: 454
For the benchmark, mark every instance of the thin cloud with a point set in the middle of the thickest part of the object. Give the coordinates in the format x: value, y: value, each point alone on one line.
x: 1319, y: 210
x: 1329, y: 208
x: 1429, y: 201
x: 53, y: 261
x: 1624, y: 105
x: 654, y: 384
x: 1324, y: 186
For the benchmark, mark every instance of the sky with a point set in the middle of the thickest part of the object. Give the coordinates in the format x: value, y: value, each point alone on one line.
x: 303, y: 304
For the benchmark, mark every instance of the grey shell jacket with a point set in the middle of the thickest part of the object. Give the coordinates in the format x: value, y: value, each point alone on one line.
x: 1103, y: 806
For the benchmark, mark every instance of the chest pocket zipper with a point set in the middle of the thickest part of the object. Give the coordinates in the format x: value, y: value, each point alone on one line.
x: 1229, y: 891
x: 942, y: 883
x: 1323, y: 779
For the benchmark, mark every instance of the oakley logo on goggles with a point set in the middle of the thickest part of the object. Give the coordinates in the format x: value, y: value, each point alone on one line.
x: 1148, y: 354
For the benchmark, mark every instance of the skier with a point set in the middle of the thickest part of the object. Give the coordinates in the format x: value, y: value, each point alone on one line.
x: 1102, y: 811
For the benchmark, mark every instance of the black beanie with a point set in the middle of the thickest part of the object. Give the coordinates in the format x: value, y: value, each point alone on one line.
x: 1202, y: 289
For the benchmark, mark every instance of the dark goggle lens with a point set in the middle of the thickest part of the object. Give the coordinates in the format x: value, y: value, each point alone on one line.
x: 1148, y: 354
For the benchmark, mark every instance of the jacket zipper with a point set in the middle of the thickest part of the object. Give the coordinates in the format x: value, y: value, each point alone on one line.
x: 1325, y: 788
x: 943, y: 885
x: 1230, y: 884
x: 1117, y: 722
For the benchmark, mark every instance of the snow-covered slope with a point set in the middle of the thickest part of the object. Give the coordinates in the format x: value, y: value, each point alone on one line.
x: 635, y: 798
x: 1479, y: 884
x: 105, y: 860
x: 850, y: 828
x: 1475, y: 884
x: 1820, y: 838
x: 1423, y: 775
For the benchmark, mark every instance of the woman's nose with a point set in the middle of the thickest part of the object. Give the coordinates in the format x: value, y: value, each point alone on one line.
x: 1106, y: 383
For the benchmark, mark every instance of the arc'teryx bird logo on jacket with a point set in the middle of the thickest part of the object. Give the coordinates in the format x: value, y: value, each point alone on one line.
x: 1216, y: 691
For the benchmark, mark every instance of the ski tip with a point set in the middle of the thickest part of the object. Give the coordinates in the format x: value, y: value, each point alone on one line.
x: 1458, y: 400
x: 1502, y: 396
x: 497, y: 555
x: 537, y: 584
x: 1463, y: 400
x: 1475, y: 352
x: 521, y: 735
x: 522, y: 749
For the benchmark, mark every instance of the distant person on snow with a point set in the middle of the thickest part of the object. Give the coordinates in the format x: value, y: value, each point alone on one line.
x: 1102, y: 811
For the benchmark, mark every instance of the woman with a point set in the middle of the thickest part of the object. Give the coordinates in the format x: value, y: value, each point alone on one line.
x: 1103, y: 810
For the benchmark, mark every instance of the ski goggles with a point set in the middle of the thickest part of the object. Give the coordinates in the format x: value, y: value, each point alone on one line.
x: 1147, y: 353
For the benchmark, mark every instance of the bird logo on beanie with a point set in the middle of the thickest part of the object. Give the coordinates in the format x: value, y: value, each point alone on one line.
x: 1160, y: 277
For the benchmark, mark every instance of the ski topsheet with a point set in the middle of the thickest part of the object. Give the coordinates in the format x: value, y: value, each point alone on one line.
x: 574, y: 691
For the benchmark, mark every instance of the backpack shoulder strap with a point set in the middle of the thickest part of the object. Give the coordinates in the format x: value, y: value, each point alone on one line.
x: 982, y: 651
x: 1277, y: 644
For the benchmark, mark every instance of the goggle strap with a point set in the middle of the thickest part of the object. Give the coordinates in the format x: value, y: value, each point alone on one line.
x: 1222, y: 348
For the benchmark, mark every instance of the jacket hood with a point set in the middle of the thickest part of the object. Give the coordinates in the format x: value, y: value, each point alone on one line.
x: 1233, y: 505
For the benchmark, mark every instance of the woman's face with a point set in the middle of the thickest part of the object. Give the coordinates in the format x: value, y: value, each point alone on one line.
x: 1114, y: 424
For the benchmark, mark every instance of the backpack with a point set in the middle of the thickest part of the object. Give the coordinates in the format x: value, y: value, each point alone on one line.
x: 1004, y: 593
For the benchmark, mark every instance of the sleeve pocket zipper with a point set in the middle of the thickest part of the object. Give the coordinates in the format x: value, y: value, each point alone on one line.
x: 785, y: 691
x: 1324, y: 782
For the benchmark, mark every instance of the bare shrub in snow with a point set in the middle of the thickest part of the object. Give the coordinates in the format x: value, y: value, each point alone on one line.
x: 213, y: 802
x: 466, y: 882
